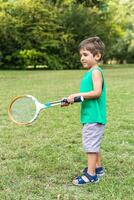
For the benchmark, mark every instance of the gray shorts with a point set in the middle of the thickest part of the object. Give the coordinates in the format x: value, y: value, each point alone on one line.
x: 92, y: 135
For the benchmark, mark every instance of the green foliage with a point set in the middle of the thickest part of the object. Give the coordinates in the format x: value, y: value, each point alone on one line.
x: 122, y: 18
x: 101, y: 4
x: 34, y: 30
x: 29, y: 57
x: 53, y: 29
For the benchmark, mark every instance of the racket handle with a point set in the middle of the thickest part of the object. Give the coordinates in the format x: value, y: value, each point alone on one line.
x: 78, y: 99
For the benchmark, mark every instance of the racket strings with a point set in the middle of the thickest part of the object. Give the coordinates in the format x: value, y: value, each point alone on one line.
x: 23, y: 110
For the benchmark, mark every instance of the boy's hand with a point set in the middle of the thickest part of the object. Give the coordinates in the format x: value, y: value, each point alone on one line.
x: 70, y: 99
x: 64, y: 102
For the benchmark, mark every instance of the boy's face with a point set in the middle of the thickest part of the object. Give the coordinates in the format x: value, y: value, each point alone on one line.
x: 87, y: 59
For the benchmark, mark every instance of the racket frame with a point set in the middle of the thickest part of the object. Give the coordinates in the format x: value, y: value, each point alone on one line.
x: 39, y: 107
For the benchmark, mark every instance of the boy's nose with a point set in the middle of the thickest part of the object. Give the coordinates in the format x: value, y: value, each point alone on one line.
x: 82, y: 59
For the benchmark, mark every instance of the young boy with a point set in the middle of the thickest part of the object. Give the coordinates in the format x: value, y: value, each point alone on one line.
x: 93, y: 108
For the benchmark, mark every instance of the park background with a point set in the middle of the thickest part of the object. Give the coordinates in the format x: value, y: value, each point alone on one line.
x: 46, y: 34
x: 39, y: 56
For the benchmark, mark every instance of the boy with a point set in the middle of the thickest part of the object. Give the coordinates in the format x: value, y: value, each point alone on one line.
x: 93, y: 108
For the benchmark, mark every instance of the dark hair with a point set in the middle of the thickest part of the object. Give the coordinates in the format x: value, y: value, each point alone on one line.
x: 94, y: 45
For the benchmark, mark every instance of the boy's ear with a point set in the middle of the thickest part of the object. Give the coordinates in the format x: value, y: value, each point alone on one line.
x: 98, y: 56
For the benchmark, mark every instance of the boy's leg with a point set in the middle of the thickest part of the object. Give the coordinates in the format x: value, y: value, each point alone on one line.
x: 88, y: 176
x: 99, y: 169
x: 92, y: 158
x: 98, y: 160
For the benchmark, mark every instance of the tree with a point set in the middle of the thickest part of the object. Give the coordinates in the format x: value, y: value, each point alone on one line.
x: 29, y: 25
x: 123, y: 17
x: 48, y: 32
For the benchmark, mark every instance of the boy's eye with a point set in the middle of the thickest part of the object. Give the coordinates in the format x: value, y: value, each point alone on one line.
x: 84, y: 54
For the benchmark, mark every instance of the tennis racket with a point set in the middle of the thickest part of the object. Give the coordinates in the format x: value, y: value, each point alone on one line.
x: 24, y: 110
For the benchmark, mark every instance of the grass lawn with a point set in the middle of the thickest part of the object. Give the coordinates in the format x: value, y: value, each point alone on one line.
x: 39, y: 162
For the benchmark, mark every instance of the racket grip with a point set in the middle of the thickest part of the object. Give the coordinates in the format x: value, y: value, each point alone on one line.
x: 78, y: 99
x: 64, y: 101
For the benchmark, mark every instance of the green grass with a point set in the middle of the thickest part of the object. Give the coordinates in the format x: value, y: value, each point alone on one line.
x: 39, y: 162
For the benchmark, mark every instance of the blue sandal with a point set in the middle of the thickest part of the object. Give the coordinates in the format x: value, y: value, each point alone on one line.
x: 85, y: 179
x: 99, y: 171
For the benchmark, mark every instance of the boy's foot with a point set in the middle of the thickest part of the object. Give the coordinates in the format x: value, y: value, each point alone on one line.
x: 99, y: 171
x: 85, y: 179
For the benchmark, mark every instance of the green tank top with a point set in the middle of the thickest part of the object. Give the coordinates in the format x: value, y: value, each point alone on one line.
x: 93, y: 110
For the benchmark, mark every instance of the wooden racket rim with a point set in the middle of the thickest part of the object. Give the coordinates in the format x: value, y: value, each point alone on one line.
x: 10, y: 113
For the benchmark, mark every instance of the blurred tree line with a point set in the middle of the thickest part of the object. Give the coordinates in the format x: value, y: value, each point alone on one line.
x: 47, y: 32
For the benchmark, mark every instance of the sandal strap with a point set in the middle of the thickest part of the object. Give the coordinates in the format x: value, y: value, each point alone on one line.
x: 90, y: 178
x: 80, y: 180
x: 85, y: 169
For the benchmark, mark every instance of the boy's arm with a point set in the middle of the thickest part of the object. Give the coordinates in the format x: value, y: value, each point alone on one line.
x: 97, y: 88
